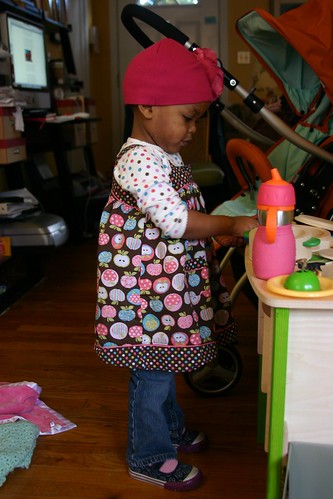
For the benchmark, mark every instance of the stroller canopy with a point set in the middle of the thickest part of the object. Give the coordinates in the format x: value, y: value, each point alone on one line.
x: 295, y: 48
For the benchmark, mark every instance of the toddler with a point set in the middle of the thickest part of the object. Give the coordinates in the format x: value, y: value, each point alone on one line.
x: 162, y: 307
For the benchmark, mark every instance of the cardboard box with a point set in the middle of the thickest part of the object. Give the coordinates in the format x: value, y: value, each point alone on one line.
x: 64, y: 106
x: 92, y: 133
x: 12, y: 150
x: 76, y: 134
x: 90, y: 106
x: 70, y: 105
x: 5, y: 246
x: 7, y: 124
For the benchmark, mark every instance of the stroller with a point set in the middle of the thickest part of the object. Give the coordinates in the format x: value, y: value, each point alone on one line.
x: 295, y: 49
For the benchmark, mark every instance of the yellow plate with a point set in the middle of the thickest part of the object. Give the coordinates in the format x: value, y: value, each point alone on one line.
x: 276, y: 285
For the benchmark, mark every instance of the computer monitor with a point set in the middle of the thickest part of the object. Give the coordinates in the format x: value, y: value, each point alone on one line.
x: 25, y: 40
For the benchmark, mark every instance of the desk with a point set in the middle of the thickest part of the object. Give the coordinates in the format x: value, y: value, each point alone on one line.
x: 295, y: 339
x: 48, y: 136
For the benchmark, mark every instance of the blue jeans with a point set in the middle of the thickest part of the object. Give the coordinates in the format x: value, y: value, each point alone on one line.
x: 155, y: 419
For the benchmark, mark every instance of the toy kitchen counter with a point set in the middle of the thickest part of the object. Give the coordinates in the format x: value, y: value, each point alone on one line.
x: 295, y: 339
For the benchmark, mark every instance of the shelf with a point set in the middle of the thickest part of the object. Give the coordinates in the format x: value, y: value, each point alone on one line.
x: 33, y: 12
x: 12, y: 6
x: 52, y: 25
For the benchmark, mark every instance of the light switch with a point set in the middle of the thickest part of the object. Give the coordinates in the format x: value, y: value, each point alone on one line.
x: 243, y: 57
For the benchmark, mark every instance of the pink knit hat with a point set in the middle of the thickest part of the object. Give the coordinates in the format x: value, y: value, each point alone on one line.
x: 167, y: 74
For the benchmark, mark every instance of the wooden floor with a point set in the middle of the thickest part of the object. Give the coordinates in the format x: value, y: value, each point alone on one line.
x: 47, y: 337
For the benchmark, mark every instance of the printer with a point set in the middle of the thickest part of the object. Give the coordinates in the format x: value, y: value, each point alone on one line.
x: 41, y: 230
x: 31, y: 227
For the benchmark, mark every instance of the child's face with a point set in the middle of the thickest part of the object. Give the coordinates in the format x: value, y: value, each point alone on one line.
x: 172, y: 127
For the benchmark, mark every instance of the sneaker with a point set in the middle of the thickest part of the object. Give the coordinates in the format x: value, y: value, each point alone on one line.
x: 191, y: 441
x: 184, y: 477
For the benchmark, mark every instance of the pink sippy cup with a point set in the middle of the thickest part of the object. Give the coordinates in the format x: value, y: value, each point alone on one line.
x: 274, y: 248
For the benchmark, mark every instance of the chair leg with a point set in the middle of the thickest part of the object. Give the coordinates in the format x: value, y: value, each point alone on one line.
x: 241, y: 281
x: 227, y: 258
x: 237, y: 288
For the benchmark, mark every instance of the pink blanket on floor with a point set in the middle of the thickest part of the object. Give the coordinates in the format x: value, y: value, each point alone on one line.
x: 21, y: 401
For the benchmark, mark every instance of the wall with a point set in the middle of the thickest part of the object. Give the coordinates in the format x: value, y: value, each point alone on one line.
x: 243, y: 72
x: 100, y: 84
x: 77, y: 14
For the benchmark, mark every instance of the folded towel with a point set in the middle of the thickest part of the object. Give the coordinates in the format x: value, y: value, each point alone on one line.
x: 17, y: 443
x: 21, y: 401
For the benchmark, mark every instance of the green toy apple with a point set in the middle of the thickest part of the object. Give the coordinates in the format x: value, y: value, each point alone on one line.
x: 302, y: 280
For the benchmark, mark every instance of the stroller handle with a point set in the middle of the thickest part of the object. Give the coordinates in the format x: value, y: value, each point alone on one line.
x: 153, y: 20
x: 256, y: 105
x: 284, y: 130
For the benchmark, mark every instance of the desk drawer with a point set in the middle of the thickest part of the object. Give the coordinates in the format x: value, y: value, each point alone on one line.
x: 75, y: 135
x: 12, y: 150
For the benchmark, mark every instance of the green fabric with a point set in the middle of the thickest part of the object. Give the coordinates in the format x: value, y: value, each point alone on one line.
x: 289, y: 159
x: 285, y: 64
x: 244, y: 205
x: 17, y: 443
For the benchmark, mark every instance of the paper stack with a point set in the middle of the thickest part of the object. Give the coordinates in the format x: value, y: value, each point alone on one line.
x: 13, y: 203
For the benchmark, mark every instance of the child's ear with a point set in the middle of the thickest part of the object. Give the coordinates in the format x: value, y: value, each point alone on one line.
x: 146, y: 111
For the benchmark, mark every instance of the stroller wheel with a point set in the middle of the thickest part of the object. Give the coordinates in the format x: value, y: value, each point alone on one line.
x: 218, y: 377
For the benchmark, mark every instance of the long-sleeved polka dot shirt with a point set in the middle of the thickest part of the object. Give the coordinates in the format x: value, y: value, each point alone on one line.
x: 145, y: 172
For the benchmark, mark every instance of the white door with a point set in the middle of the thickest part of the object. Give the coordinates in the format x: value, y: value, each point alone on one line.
x: 204, y: 24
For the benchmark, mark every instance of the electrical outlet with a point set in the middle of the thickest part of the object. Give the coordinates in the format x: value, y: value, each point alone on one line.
x: 243, y: 57
x: 3, y: 209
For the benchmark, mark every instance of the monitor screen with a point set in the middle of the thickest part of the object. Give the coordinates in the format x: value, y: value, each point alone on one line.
x: 27, y: 49
x: 26, y: 70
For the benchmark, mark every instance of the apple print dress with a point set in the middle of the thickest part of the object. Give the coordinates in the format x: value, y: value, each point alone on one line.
x: 161, y: 300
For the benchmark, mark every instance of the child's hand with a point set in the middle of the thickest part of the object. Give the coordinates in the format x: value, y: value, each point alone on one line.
x: 243, y: 224
x: 200, y: 225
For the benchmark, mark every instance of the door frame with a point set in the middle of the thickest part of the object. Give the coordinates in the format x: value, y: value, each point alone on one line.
x: 77, y: 12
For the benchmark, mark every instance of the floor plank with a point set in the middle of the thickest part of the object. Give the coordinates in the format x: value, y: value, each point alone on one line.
x: 47, y: 337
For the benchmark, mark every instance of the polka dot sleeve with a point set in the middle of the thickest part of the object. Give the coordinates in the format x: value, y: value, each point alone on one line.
x: 144, y: 172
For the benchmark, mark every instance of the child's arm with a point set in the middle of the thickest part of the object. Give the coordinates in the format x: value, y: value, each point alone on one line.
x: 158, y: 199
x: 201, y: 226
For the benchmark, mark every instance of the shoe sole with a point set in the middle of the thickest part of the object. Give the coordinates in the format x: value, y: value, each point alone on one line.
x: 190, y: 484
